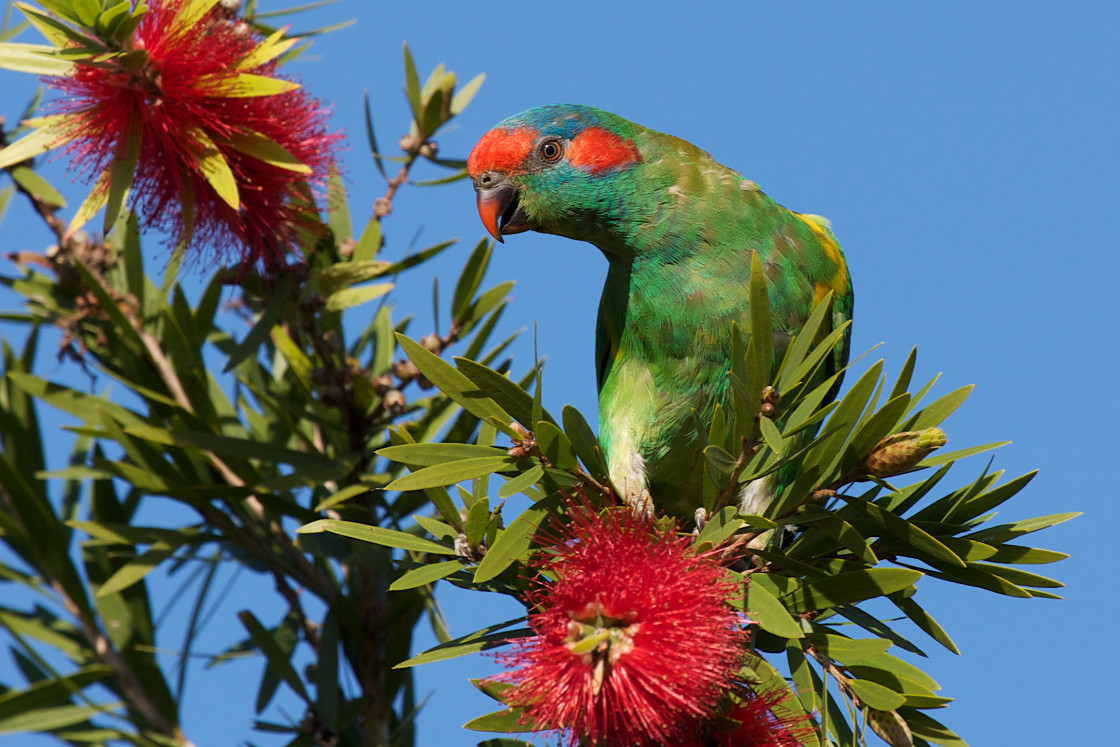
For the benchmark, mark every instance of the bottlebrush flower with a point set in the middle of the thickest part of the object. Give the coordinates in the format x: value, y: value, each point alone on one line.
x: 635, y: 640
x: 760, y: 725
x: 190, y: 116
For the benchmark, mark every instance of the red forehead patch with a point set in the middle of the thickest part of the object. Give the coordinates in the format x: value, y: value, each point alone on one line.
x: 500, y: 150
x: 595, y: 150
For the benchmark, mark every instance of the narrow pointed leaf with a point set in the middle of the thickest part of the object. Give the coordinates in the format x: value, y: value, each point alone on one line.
x: 376, y: 535
x: 510, y: 545
x: 425, y: 575
x: 765, y: 609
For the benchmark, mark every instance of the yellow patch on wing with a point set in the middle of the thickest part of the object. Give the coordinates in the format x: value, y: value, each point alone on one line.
x: 822, y: 229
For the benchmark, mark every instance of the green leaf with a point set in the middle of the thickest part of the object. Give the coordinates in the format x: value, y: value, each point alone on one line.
x: 326, y: 672
x: 999, y: 534
x: 584, y: 442
x: 472, y: 643
x: 799, y: 346
x: 847, y: 650
x: 844, y: 418
x: 425, y: 575
x: 936, y: 412
x: 718, y: 528
x: 900, y: 670
x: 449, y: 473
x: 247, y: 85
x: 280, y: 662
x: 765, y: 609
x: 478, y: 518
x: 876, y: 696
x: 376, y: 535
x: 555, y: 446
x: 903, y: 382
x: 952, y: 456
x: 37, y: 59
x: 372, y: 139
x: 136, y: 569
x: 215, y: 169
x: 1018, y: 554
x: 840, y: 530
x: 342, y: 275
x: 924, y: 620
x: 1019, y: 577
x: 121, y: 173
x: 872, y: 430
x: 990, y: 499
x: 93, y: 202
x: 470, y: 278
x: 523, y: 482
x: 455, y: 385
x: 851, y: 587
x: 411, y: 85
x: 973, y: 575
x: 338, y: 210
x: 36, y: 185
x: 510, y: 397
x: 267, y: 150
x: 464, y: 95
x: 429, y: 454
x: 908, y: 532
x: 510, y: 544
x: 268, y: 49
x: 58, y: 33
x: 52, y: 719
x: 260, y: 332
x: 369, y: 243
x: 350, y: 297
x: 925, y: 727
x: 771, y: 435
x: 507, y: 720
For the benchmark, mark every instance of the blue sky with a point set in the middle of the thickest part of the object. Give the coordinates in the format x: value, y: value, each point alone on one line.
x: 968, y: 158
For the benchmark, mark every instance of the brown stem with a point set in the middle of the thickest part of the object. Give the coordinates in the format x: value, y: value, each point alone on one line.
x: 843, y: 681
x: 137, y: 696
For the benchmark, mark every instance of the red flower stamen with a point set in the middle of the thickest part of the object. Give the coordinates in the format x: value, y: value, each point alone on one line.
x: 185, y: 89
x: 635, y: 641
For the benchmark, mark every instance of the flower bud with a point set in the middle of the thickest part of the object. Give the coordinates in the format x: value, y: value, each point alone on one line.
x: 900, y: 452
x: 395, y: 403
x: 432, y: 343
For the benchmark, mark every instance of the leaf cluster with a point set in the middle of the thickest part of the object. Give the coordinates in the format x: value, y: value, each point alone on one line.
x: 828, y: 601
x: 251, y: 413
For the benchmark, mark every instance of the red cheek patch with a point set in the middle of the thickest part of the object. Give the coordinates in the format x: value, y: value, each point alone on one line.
x: 596, y: 150
x: 500, y: 150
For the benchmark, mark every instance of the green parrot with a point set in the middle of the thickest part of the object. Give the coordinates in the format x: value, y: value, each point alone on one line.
x: 677, y: 229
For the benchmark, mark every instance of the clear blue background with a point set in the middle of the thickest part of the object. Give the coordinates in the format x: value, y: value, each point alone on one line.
x: 967, y: 156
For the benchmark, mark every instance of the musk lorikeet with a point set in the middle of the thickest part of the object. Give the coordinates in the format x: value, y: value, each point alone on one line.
x: 678, y: 230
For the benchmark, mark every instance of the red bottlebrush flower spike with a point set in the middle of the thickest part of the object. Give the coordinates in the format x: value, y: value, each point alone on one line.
x: 215, y: 148
x: 635, y: 642
x: 760, y: 726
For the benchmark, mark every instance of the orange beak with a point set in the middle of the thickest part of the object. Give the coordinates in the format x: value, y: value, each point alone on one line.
x: 499, y: 207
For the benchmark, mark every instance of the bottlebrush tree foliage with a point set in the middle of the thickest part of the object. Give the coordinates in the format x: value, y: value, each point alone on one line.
x: 354, y: 471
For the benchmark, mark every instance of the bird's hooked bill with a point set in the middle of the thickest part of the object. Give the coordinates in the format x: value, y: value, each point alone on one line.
x: 500, y: 210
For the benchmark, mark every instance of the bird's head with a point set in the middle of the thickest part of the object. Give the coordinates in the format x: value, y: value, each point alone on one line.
x: 561, y: 169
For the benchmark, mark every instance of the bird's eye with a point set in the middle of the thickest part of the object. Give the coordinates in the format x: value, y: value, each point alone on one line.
x: 550, y: 151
